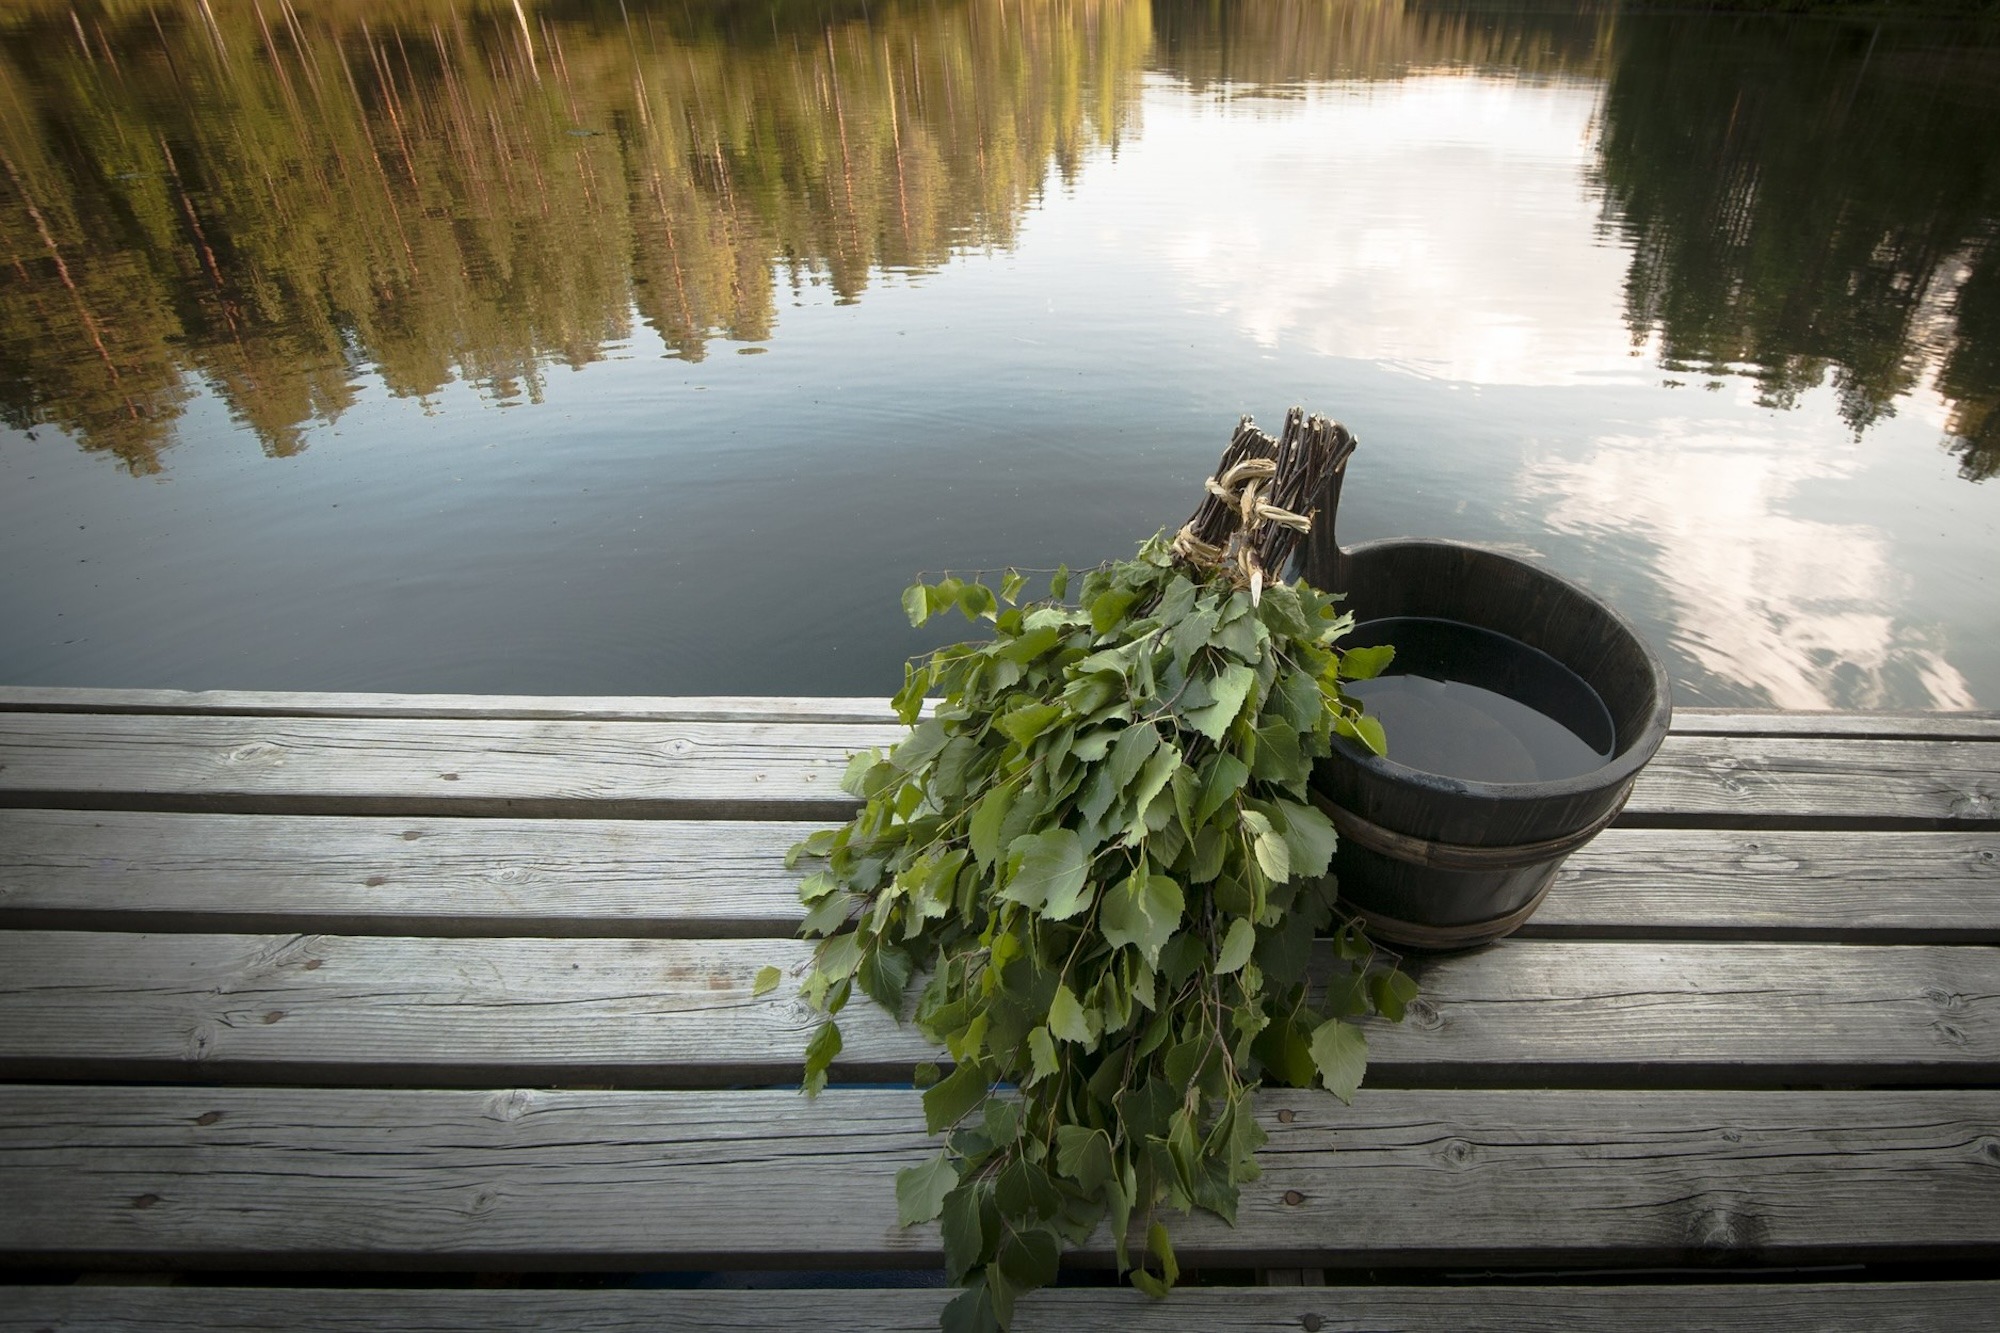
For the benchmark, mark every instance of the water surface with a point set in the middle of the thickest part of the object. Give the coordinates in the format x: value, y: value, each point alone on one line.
x: 440, y: 345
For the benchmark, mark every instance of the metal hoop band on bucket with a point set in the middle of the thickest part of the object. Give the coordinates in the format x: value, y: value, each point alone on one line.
x: 1459, y: 856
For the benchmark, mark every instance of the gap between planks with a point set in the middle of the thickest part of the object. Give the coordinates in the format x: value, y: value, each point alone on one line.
x: 1737, y: 1307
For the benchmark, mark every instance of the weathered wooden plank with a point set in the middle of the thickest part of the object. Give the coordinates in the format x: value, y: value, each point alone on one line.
x: 330, y: 874
x: 1780, y: 782
x: 866, y: 709
x: 773, y: 770
x: 423, y: 875
x: 1858, y: 888
x: 1956, y: 726
x: 385, y: 766
x: 1882, y: 725
x: 669, y: 1013
x: 586, y: 707
x: 1767, y: 1307
x: 544, y: 1180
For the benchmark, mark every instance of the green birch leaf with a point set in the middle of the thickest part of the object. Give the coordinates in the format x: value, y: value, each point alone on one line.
x: 1041, y: 1055
x: 916, y: 605
x: 1029, y: 1257
x: 767, y: 981
x: 988, y: 818
x: 1340, y: 1053
x: 1110, y: 607
x: 858, y: 767
x: 1236, y: 946
x: 1392, y: 993
x: 1084, y: 1155
x: 1025, y: 723
x: 1048, y: 865
x: 921, y: 1190
x: 1286, y: 1050
x: 1221, y: 778
x: 1159, y: 769
x: 964, y: 1234
x: 953, y: 1096
x: 1309, y: 837
x: 1031, y: 645
x: 1143, y: 911
x: 1069, y: 897
x: 1066, y: 1018
x: 1128, y: 755
x: 1369, y: 730
x: 1230, y: 688
x: 1163, y: 1249
x: 976, y: 600
x: 1274, y: 858
x: 1298, y: 700
x: 820, y: 1053
x: 1010, y: 586
x: 1366, y: 663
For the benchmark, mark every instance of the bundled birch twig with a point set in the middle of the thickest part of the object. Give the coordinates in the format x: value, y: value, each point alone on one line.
x: 1255, y: 512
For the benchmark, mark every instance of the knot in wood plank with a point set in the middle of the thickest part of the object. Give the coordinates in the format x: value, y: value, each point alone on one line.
x: 268, y: 753
x: 1726, y: 1231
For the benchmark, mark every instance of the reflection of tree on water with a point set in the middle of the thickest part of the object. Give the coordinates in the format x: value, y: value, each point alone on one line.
x: 1278, y: 45
x: 273, y: 196
x: 276, y: 196
x: 1804, y: 198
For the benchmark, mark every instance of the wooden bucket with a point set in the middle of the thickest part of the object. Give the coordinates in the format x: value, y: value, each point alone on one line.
x: 1433, y: 862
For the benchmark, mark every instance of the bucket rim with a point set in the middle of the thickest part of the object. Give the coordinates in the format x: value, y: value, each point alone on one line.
x: 1622, y: 767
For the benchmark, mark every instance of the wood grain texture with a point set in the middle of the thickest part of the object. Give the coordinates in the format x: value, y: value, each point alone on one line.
x: 1781, y: 782
x: 869, y: 709
x: 1777, y: 885
x: 1961, y: 726
x: 792, y: 770
x: 332, y: 874
x: 589, y: 707
x: 1771, y: 1307
x: 541, y: 1180
x: 423, y: 875
x: 385, y: 766
x: 675, y: 1013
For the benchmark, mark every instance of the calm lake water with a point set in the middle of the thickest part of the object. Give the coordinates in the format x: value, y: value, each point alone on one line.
x: 597, y: 347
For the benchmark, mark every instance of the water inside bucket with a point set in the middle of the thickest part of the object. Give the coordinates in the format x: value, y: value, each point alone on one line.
x: 1466, y: 702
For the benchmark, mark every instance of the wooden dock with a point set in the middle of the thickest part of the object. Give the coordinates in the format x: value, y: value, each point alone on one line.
x: 363, y: 1012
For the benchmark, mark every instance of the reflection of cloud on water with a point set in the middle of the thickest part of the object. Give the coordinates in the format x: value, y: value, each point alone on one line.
x: 1804, y: 610
x: 1436, y: 224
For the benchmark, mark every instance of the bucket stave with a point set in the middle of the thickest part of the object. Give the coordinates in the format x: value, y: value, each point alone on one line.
x: 1437, y: 862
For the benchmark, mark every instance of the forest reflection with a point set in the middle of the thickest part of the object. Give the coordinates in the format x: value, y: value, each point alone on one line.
x: 1814, y: 201
x: 270, y: 194
x: 271, y: 197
